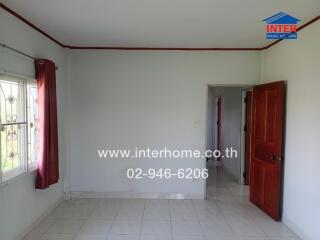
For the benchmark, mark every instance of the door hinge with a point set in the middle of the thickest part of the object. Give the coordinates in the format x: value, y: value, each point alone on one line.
x: 244, y: 175
x: 245, y: 128
x: 245, y: 100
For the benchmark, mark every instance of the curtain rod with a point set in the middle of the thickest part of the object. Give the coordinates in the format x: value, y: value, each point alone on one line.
x: 20, y: 52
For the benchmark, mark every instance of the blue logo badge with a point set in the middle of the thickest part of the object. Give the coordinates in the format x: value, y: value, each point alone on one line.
x: 281, y: 26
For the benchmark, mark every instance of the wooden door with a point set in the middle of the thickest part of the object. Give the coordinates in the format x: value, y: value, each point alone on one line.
x: 248, y: 136
x: 266, y: 161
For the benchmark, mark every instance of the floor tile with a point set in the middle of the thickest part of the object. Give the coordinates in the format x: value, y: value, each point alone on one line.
x: 224, y: 196
x: 183, y: 214
x: 284, y: 238
x: 99, y: 227
x: 56, y: 213
x: 157, y: 203
x: 123, y: 237
x: 184, y: 237
x: 108, y: 204
x: 180, y: 204
x: 103, y: 214
x: 129, y: 227
x: 252, y: 238
x: 246, y: 229
x: 217, y: 229
x: 129, y: 214
x: 130, y: 204
x: 65, y: 204
x: 205, y: 205
x: 40, y: 229
x: 89, y: 237
x: 66, y: 227
x: 156, y: 228
x: 243, y: 226
x: 275, y: 229
x: 206, y: 215
x: 57, y: 237
x: 76, y: 213
x: 33, y: 235
x: 186, y: 228
x: 161, y: 214
x: 222, y: 238
x: 155, y: 237
x: 226, y: 215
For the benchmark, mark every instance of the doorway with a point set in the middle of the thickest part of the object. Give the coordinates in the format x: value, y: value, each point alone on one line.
x: 249, y: 120
x: 226, y: 121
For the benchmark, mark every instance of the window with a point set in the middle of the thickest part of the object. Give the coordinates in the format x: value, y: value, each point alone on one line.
x: 19, y: 127
x: 33, y: 122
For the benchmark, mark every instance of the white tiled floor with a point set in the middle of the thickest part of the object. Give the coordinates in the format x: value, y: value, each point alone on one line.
x: 226, y: 215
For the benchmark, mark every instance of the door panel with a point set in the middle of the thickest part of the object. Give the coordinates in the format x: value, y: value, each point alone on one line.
x: 267, y: 128
x: 259, y: 116
x: 257, y: 178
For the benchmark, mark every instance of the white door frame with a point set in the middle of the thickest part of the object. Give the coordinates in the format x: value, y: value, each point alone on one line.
x: 243, y: 137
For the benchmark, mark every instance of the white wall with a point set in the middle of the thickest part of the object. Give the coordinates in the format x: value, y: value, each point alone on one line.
x: 231, y: 125
x: 141, y: 98
x: 20, y: 204
x: 298, y: 63
x: 124, y: 99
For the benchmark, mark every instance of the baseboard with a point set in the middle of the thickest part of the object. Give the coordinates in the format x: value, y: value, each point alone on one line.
x: 40, y: 219
x: 294, y: 228
x: 67, y: 196
x: 135, y: 195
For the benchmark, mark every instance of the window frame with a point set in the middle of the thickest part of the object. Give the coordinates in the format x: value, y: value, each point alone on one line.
x: 33, y: 165
x: 26, y: 167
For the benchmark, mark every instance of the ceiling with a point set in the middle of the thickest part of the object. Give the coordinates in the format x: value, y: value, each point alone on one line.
x: 160, y: 23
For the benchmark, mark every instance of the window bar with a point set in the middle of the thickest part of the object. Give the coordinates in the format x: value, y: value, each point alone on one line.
x: 27, y: 130
x: 14, y: 123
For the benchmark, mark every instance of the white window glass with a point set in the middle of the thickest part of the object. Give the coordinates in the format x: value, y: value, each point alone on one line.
x: 19, y: 124
x: 33, y: 123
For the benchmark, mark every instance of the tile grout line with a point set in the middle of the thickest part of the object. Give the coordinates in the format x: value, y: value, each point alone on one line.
x: 84, y: 222
x: 141, y: 225
x: 202, y: 232
x: 54, y: 222
x: 222, y: 212
x: 112, y: 223
x: 171, y: 231
x: 249, y: 215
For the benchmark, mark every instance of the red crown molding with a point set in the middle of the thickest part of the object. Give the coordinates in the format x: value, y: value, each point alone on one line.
x: 4, y: 7
x: 12, y: 12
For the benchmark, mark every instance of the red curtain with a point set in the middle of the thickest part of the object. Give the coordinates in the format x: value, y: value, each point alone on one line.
x: 48, y: 170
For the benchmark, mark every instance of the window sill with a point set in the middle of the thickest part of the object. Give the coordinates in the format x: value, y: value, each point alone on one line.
x: 12, y: 180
